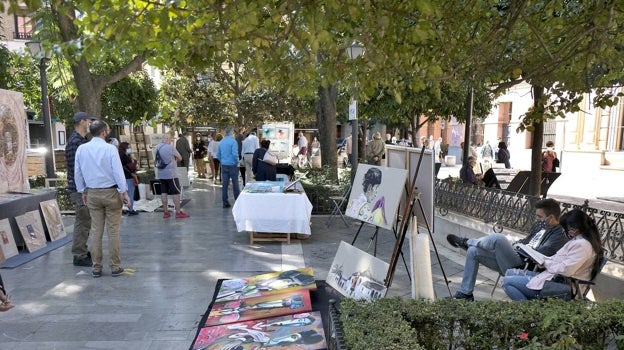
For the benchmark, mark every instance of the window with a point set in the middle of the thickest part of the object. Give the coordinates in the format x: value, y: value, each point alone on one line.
x: 23, y: 27
x: 549, y: 132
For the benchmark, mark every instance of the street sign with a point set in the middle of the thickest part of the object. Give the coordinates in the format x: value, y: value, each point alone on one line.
x: 353, y: 110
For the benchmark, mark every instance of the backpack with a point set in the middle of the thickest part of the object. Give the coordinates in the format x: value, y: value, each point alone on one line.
x: 159, y: 162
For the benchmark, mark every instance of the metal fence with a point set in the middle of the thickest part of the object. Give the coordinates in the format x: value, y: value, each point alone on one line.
x: 517, y: 211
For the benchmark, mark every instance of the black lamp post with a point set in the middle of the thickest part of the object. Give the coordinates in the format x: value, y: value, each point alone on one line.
x: 38, y: 53
x: 354, y: 51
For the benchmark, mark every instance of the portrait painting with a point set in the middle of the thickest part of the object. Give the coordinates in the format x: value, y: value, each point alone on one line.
x: 53, y: 219
x: 375, y: 194
x: 265, y: 306
x: 298, y: 331
x: 7, y: 241
x: 31, y: 229
x: 356, y: 274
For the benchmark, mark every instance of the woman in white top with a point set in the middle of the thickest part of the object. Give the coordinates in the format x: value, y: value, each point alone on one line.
x: 213, y: 146
x: 579, y: 258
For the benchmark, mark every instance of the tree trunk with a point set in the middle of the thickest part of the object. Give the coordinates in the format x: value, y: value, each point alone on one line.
x: 326, y: 120
x: 362, y: 138
x: 535, y: 187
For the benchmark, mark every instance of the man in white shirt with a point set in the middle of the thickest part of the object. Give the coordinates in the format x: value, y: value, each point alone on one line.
x: 100, y: 178
x: 250, y: 145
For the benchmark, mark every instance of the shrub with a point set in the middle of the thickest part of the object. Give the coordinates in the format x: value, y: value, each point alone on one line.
x: 394, y: 323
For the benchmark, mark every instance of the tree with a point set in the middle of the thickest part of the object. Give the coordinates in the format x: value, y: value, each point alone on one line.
x: 133, y: 99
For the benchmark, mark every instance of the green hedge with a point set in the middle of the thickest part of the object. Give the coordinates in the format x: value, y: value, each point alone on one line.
x: 394, y: 323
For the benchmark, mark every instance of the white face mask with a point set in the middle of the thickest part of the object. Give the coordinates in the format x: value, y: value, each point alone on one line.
x: 128, y: 151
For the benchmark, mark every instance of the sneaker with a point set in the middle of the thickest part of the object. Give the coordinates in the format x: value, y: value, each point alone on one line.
x: 457, y: 242
x: 226, y: 205
x: 182, y: 215
x: 133, y: 212
x: 96, y: 274
x: 461, y: 296
x: 118, y: 272
x: 86, y: 261
x: 166, y: 214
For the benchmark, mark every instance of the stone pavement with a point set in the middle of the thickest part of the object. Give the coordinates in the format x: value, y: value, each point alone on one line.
x: 176, y: 264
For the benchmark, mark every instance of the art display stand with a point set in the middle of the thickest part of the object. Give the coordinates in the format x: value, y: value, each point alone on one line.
x: 413, y: 197
x: 268, y: 237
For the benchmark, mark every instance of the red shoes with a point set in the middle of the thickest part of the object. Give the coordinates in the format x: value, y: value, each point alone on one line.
x: 182, y: 215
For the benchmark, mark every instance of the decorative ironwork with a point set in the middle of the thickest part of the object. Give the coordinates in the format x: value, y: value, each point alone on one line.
x: 336, y: 335
x: 22, y: 35
x: 515, y: 211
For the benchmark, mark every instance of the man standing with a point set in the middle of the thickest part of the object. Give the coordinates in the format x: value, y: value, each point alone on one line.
x: 302, y: 143
x: 184, y: 148
x: 498, y: 253
x: 227, y: 154
x: 240, y: 137
x: 250, y: 145
x: 82, y: 223
x: 168, y: 176
x: 100, y: 179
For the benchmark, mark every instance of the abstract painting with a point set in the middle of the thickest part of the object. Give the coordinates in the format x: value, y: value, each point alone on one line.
x: 298, y: 331
x: 357, y: 274
x: 53, y: 219
x: 31, y: 229
x: 13, y: 168
x: 375, y: 194
x: 266, y: 284
x: 7, y: 241
x: 273, y: 305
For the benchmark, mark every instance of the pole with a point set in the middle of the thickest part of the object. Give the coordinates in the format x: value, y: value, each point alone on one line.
x: 47, y: 122
x: 354, y: 142
x: 469, y: 102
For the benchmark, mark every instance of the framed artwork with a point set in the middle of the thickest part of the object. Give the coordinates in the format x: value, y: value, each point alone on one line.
x: 357, y: 274
x: 2, y: 258
x: 266, y: 306
x: 297, y: 331
x: 61, y: 137
x: 375, y: 194
x: 13, y: 135
x: 53, y: 219
x: 31, y: 229
x: 266, y: 284
x: 7, y: 241
x: 268, y: 132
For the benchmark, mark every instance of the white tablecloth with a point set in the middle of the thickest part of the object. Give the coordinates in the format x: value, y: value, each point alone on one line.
x: 273, y: 212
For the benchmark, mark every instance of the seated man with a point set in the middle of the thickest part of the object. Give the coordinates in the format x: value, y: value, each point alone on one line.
x: 467, y: 174
x: 498, y: 253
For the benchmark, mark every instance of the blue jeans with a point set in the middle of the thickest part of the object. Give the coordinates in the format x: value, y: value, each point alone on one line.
x: 514, y: 284
x: 229, y: 172
x: 130, y: 183
x: 494, y: 251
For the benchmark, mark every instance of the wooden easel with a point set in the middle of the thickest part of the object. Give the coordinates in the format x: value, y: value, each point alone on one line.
x: 412, y: 196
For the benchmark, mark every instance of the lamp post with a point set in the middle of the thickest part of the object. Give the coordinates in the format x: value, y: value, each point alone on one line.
x: 38, y: 53
x: 354, y: 51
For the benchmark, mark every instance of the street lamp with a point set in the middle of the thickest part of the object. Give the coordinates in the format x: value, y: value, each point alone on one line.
x: 38, y: 53
x: 354, y: 51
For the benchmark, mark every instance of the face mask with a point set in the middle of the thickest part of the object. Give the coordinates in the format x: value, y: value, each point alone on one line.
x: 540, y: 225
x: 128, y: 151
x: 198, y: 138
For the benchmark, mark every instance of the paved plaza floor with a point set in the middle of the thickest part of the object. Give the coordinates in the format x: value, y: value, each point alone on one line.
x: 173, y: 267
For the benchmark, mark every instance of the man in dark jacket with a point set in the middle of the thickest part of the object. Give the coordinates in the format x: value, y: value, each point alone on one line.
x: 498, y: 253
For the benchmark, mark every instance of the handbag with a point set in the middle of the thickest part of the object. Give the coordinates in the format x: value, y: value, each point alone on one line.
x: 269, y: 158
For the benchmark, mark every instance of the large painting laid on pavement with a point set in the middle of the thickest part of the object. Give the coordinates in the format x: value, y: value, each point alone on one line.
x: 298, y: 331
x: 357, y: 274
x: 13, y: 168
x: 266, y: 284
x: 375, y: 194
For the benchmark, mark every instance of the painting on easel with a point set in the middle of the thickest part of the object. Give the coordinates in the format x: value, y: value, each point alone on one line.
x: 357, y: 274
x: 375, y: 194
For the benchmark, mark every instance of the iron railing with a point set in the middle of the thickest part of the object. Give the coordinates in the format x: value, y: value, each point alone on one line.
x: 516, y: 211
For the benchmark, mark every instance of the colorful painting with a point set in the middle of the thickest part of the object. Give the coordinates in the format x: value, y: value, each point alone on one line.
x: 375, y: 194
x: 357, y: 274
x: 266, y: 284
x: 53, y: 219
x: 298, y: 331
x: 268, y: 132
x: 265, y: 306
x: 13, y: 167
x: 7, y: 241
x: 31, y: 229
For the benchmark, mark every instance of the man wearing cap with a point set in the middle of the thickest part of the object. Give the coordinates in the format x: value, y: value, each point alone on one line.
x: 227, y: 154
x: 82, y: 223
x: 100, y: 179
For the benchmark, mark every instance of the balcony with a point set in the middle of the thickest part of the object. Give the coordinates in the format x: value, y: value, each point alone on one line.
x: 22, y: 35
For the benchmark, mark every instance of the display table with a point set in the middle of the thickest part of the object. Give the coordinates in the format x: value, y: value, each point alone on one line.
x: 272, y: 213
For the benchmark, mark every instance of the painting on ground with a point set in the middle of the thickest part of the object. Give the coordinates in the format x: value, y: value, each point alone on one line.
x: 31, y: 229
x: 259, y: 307
x: 7, y: 241
x: 297, y: 331
x: 53, y: 219
x: 266, y: 284
x: 357, y: 274
x: 375, y: 194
